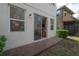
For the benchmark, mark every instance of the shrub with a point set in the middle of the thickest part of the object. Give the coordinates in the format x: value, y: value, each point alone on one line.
x: 77, y: 35
x: 2, y: 43
x: 62, y: 33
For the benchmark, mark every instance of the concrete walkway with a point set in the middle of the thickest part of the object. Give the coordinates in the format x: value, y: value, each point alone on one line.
x: 73, y: 38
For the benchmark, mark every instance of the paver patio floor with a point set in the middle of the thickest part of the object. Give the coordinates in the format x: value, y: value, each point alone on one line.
x: 33, y: 48
x: 64, y: 48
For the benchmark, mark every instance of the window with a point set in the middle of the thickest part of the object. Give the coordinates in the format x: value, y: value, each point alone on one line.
x: 16, y: 18
x: 58, y: 13
x: 52, y: 23
x: 17, y: 25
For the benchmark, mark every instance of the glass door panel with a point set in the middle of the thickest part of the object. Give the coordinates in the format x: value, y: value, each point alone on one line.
x: 37, y: 27
x: 44, y: 27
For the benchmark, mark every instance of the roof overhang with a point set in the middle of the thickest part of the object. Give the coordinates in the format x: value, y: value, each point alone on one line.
x: 67, y: 9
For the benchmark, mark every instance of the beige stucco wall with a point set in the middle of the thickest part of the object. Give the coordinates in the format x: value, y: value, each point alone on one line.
x: 62, y: 18
x: 19, y: 38
x: 68, y: 16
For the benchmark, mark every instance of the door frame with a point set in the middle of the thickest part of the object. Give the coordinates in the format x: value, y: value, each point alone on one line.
x: 41, y: 26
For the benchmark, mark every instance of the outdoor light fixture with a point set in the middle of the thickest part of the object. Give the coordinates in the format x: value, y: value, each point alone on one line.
x: 30, y: 16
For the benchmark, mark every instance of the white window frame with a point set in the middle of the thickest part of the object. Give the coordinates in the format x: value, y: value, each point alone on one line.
x: 17, y: 20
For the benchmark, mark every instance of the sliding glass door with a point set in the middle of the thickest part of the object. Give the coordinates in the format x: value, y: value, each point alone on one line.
x: 37, y: 27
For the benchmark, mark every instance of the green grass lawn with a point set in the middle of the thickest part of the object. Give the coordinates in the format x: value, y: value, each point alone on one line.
x: 64, y: 48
